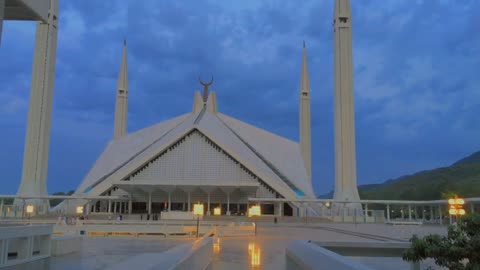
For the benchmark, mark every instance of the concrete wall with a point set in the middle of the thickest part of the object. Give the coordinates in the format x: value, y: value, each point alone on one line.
x: 20, y: 244
x: 303, y: 255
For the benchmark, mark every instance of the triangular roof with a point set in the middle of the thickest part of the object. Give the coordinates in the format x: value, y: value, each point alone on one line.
x: 276, y: 160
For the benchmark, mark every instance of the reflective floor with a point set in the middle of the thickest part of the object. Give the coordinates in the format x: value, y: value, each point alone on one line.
x: 265, y: 251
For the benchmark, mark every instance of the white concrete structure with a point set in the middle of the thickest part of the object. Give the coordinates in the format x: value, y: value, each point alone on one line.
x: 202, y: 156
x: 21, y: 244
x: 121, y: 105
x: 345, y: 159
x: 35, y: 161
x: 305, y: 115
x: 36, y: 10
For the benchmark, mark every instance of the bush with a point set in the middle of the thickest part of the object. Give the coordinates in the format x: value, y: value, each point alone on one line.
x: 459, y: 250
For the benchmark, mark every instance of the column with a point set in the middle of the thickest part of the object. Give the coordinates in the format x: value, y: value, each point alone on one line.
x: 188, y: 206
x: 440, y: 214
x: 114, y: 207
x: 409, y: 212
x: 431, y: 213
x: 109, y: 206
x: 415, y: 212
x: 366, y: 213
x: 87, y: 208
x: 423, y: 213
x: 149, y: 206
x: 228, y: 203
x: 1, y: 201
x: 388, y: 212
x: 130, y: 205
x: 208, y: 203
x: 402, y: 211
x: 472, y: 208
x: 280, y: 207
x: 169, y: 201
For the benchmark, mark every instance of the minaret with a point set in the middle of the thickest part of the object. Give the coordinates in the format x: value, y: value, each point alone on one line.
x: 37, y: 140
x: 305, y: 130
x: 345, y: 160
x: 121, y: 105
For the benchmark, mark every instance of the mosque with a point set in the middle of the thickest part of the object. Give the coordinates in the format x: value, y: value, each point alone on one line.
x: 201, y: 156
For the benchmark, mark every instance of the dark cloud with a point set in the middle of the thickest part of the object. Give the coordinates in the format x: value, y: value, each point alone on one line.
x: 416, y: 84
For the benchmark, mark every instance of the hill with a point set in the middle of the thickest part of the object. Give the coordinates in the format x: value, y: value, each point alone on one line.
x: 462, y: 177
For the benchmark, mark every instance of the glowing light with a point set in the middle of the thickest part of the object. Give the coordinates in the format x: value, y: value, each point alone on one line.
x: 79, y: 209
x: 216, y: 246
x: 30, y: 209
x: 460, y: 201
x: 456, y: 206
x: 452, y: 211
x: 217, y: 211
x: 451, y: 201
x: 255, y: 255
x: 327, y: 204
x: 198, y: 209
x: 461, y: 212
x: 254, y: 211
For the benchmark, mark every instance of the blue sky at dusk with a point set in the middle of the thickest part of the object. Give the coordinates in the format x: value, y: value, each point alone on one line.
x: 416, y: 83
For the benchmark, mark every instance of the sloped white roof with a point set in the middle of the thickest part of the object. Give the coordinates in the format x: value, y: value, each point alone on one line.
x: 274, y: 159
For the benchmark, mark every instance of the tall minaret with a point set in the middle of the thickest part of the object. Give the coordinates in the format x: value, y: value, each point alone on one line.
x: 305, y: 130
x: 121, y: 105
x: 37, y: 139
x: 345, y: 160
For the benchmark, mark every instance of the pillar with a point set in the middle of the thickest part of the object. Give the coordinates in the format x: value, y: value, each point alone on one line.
x: 440, y: 214
x: 1, y: 201
x: 228, y: 203
x: 366, y: 213
x: 388, y: 212
x: 87, y: 208
x: 169, y: 201
x: 109, y: 206
x: 208, y: 203
x: 149, y: 206
x: 37, y: 139
x: 114, y: 207
x: 130, y: 205
x: 280, y: 207
x: 188, y: 206
x: 402, y: 211
x: 423, y: 213
x: 472, y: 208
x: 409, y: 212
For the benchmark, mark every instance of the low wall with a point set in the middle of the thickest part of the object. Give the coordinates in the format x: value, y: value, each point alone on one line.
x: 195, y: 256
x: 303, y: 255
x: 21, y: 244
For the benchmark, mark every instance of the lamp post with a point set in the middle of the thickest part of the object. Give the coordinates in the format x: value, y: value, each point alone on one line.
x: 456, y: 207
x: 30, y: 209
x: 198, y: 211
x: 255, y: 211
x: 217, y: 211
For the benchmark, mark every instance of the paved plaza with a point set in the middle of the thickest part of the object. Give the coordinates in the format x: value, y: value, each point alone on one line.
x: 265, y: 251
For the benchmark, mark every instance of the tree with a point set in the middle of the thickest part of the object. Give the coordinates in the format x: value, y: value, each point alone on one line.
x: 459, y: 250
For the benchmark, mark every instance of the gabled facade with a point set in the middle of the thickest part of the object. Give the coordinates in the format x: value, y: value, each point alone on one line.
x: 202, y: 156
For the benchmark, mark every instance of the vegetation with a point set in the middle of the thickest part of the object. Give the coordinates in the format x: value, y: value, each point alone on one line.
x: 55, y: 202
x: 462, y: 178
x: 459, y: 250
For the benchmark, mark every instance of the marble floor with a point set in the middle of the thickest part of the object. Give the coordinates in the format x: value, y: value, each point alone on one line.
x: 264, y: 251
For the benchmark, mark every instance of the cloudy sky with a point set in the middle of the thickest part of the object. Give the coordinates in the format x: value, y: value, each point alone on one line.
x: 417, y: 78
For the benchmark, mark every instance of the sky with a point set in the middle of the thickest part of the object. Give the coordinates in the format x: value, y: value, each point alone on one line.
x: 416, y: 78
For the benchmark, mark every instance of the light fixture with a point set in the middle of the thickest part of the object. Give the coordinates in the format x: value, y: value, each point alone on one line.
x: 217, y: 211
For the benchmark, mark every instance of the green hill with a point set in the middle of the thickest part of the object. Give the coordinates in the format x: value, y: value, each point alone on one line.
x: 462, y: 178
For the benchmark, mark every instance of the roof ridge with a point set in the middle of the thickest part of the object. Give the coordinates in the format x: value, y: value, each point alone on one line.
x: 134, y: 156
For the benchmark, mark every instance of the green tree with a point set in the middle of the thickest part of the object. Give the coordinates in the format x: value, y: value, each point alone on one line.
x: 459, y: 250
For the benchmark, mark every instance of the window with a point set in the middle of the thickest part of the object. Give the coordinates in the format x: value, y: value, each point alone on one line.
x: 343, y: 19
